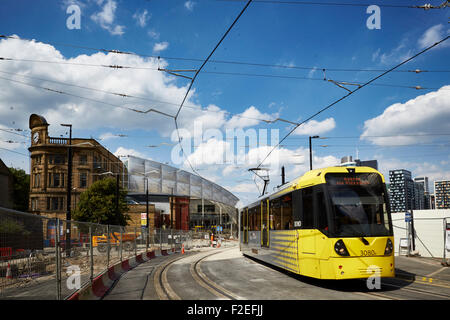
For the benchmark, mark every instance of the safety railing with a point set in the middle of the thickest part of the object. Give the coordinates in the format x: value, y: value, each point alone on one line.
x: 44, y: 258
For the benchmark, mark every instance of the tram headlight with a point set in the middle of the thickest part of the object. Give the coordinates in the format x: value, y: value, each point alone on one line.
x: 389, y: 247
x: 340, y: 248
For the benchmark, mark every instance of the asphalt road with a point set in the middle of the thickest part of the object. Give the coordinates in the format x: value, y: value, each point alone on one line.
x: 247, y: 279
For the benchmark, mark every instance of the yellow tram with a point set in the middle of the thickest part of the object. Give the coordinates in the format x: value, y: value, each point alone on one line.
x: 331, y: 223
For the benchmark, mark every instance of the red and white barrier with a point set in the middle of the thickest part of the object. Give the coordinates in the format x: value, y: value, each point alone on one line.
x: 102, y: 283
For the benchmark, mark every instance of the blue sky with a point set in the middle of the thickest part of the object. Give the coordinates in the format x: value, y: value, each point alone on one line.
x: 331, y: 37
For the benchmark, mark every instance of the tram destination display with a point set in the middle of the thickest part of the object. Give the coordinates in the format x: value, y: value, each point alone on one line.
x: 357, y: 179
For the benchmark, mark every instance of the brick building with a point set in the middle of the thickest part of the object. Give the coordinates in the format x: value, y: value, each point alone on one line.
x: 49, y: 169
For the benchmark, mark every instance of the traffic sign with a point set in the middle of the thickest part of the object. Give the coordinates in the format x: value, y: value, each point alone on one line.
x: 408, y: 217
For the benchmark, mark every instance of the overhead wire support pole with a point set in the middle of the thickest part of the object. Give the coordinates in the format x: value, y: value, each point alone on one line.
x: 352, y: 92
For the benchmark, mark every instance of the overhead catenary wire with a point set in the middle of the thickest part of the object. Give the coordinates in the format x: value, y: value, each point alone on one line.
x: 124, y: 95
x: 242, y: 74
x: 89, y: 99
x: 195, y: 76
x: 350, y: 93
x: 381, y: 136
x: 254, y: 64
x: 425, y: 6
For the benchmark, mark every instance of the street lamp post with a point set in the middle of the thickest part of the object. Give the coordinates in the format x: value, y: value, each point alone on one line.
x: 147, y: 202
x: 69, y: 190
x: 310, y: 151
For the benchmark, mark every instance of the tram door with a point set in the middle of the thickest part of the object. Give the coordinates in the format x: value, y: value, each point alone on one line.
x: 245, y: 224
x: 265, y: 223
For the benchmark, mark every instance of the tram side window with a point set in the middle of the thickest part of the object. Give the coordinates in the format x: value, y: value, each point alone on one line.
x: 321, y: 211
x: 286, y: 207
x: 307, y: 208
x: 251, y: 216
x: 254, y: 215
x: 275, y: 211
x: 258, y: 218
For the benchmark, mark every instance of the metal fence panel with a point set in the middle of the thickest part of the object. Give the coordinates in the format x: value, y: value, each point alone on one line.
x: 45, y: 258
x: 27, y: 256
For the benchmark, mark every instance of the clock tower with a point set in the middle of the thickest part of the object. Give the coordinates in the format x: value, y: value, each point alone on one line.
x: 39, y: 129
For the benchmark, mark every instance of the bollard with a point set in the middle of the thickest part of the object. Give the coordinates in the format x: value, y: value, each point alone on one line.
x: 58, y: 261
x: 120, y: 245
x: 91, y: 250
x: 135, y: 242
x: 107, y: 246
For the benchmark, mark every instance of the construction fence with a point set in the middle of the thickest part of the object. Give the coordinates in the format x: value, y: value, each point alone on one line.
x: 43, y: 258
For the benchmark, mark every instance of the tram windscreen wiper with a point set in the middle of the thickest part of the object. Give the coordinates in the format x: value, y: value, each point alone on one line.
x: 361, y: 237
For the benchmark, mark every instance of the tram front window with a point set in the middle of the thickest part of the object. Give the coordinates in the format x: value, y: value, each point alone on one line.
x: 359, y: 210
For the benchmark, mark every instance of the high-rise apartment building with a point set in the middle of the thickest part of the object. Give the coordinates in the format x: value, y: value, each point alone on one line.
x: 401, y: 190
x: 419, y: 196
x: 442, y: 194
x: 424, y: 182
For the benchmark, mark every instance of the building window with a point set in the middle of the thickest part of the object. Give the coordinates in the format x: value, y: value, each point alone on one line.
x: 37, y: 159
x: 56, y: 180
x: 37, y: 180
x: 97, y: 162
x: 34, y: 204
x: 55, y: 203
x: 56, y: 159
x: 83, y: 159
x: 83, y: 180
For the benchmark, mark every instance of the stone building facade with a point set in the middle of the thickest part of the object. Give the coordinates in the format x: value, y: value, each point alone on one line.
x: 49, y: 169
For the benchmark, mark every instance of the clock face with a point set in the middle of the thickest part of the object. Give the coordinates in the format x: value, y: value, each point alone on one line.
x: 36, y: 137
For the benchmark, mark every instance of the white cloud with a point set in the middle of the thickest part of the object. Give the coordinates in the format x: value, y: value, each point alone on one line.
x: 433, y: 35
x: 247, y: 118
x: 141, y: 18
x: 160, y: 46
x: 405, y: 50
x: 314, y: 127
x: 85, y: 113
x: 107, y: 136
x: 311, y: 72
x: 210, y: 152
x: 398, y: 54
x: 106, y: 17
x: 153, y: 34
x: 122, y: 151
x: 428, y: 113
x: 189, y: 5
x: 242, y: 187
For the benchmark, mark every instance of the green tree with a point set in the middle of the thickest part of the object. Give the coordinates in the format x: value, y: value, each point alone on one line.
x: 98, y: 204
x: 21, y: 189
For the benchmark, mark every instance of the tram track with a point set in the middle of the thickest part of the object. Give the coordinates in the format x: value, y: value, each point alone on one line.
x: 390, y: 295
x: 165, y: 291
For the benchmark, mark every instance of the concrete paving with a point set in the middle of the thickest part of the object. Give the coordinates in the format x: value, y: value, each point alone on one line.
x: 419, y: 268
x: 252, y: 280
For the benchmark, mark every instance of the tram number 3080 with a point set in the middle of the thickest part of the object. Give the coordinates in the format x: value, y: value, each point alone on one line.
x: 368, y: 253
